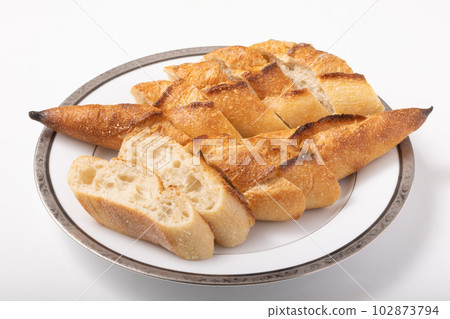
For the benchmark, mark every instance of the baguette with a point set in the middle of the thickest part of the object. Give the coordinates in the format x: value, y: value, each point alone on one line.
x: 149, y: 92
x: 347, y: 142
x: 273, y: 87
x: 221, y: 205
x: 328, y: 77
x: 191, y: 112
x: 133, y: 203
x: 250, y: 168
x: 244, y: 110
x: 235, y: 99
x: 104, y: 125
x: 347, y: 148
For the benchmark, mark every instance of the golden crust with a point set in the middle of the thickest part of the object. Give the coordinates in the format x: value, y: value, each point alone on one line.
x: 149, y: 92
x: 319, y: 186
x: 202, y: 74
x: 269, y: 81
x: 238, y: 58
x: 199, y: 118
x: 104, y: 125
x: 178, y: 94
x: 191, y: 112
x: 243, y: 109
x: 350, y: 93
x: 296, y: 107
x: 276, y: 199
x: 271, y: 48
x: 191, y: 240
x: 319, y: 61
x: 347, y: 148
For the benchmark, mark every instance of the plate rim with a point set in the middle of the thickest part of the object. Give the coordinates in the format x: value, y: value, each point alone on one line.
x: 63, y: 220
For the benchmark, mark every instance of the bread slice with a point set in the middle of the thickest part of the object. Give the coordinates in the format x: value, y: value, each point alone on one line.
x: 244, y: 109
x: 133, y: 203
x: 276, y: 90
x: 202, y: 74
x: 149, y: 92
x: 328, y: 77
x: 251, y: 163
x: 104, y: 125
x: 222, y: 206
x: 190, y: 111
x: 319, y: 62
x: 301, y: 75
x: 350, y: 94
x: 276, y: 199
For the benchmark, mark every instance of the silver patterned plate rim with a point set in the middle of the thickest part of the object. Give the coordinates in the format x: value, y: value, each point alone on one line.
x: 60, y: 216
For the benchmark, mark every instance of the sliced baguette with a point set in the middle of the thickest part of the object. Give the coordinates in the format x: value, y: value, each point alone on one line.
x: 222, y: 206
x: 244, y: 109
x: 250, y: 163
x: 328, y: 77
x: 149, y: 92
x: 133, y: 203
x: 276, y: 90
x: 190, y: 111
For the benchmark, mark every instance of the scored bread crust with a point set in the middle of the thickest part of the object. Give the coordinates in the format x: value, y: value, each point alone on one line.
x: 190, y: 111
x: 104, y: 125
x: 243, y: 108
x: 329, y: 73
x: 191, y: 238
x: 318, y: 185
x: 346, y: 149
x: 276, y: 90
x: 201, y: 74
x: 319, y: 61
x: 210, y: 194
x: 149, y: 92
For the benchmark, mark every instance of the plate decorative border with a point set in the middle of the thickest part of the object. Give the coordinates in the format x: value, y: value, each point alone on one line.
x: 57, y: 212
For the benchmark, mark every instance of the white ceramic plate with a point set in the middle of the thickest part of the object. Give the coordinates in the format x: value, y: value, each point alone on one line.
x: 273, y: 251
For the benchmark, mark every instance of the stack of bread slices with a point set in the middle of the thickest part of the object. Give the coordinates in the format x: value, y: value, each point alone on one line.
x: 290, y: 122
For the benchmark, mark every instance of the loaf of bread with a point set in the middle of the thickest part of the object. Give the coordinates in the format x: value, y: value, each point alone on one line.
x: 328, y: 77
x: 104, y: 125
x: 136, y: 204
x: 222, y: 206
x: 347, y: 143
x: 275, y: 89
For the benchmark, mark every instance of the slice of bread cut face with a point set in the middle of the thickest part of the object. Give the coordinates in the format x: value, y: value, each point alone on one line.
x: 223, y: 207
x: 136, y: 204
x: 302, y: 75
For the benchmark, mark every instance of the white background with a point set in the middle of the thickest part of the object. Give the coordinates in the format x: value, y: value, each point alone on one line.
x: 50, y: 48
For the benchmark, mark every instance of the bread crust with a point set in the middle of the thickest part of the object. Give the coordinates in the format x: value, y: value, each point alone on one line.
x: 202, y: 74
x: 149, y: 92
x: 347, y: 148
x: 350, y: 93
x: 192, y: 239
x: 230, y: 217
x: 319, y: 61
x: 276, y: 199
x: 104, y: 125
x: 243, y: 109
